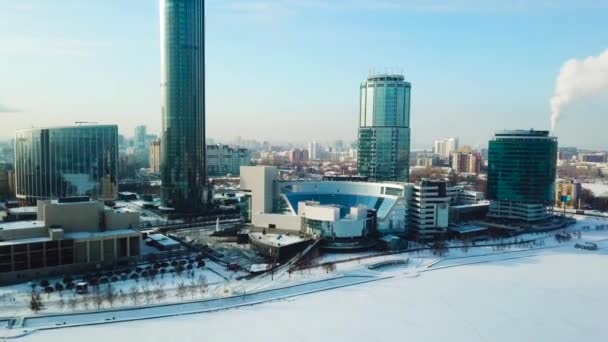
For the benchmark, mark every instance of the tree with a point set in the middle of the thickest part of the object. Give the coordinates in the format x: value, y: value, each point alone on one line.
x: 110, y: 295
x: 35, y: 302
x: 193, y: 289
x: 86, y: 300
x: 134, y: 294
x: 202, y: 285
x: 159, y: 293
x: 73, y: 303
x: 181, y: 290
x: 98, y: 297
x: 329, y: 267
x: 148, y: 295
x: 122, y: 297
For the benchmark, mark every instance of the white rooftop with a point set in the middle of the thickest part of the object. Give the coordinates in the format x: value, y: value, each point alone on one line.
x: 21, y: 225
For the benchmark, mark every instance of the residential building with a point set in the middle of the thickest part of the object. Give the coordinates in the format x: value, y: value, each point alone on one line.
x: 182, y: 38
x: 297, y: 156
x: 66, y: 162
x: 521, y: 174
x: 598, y: 157
x: 155, y: 156
x: 223, y: 160
x: 567, y: 194
x: 466, y: 162
x: 384, y: 128
x: 445, y: 147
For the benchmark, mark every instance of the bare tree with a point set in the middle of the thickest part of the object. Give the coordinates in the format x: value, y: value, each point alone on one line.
x: 35, y: 301
x: 98, y: 297
x: 134, y: 294
x: 122, y: 297
x: 86, y: 301
x: 193, y: 289
x: 148, y: 294
x: 202, y: 285
x: 329, y: 267
x: 73, y: 303
x: 61, y: 301
x: 159, y: 293
x: 110, y: 295
x: 181, y: 290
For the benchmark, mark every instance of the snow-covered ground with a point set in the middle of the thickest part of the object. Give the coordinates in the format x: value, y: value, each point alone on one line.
x: 598, y: 189
x: 551, y: 297
x: 541, y: 291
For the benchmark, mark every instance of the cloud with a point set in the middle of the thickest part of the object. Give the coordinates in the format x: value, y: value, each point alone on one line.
x: 6, y: 109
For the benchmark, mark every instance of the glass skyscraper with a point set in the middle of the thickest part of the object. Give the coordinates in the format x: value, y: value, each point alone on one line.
x: 521, y: 174
x: 183, y: 104
x: 66, y: 162
x: 384, y: 128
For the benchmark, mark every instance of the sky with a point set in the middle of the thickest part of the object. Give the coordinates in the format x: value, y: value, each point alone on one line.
x: 289, y: 70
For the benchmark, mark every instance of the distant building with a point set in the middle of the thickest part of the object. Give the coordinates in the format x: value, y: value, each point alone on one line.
x: 567, y: 193
x: 521, y: 174
x: 7, y: 184
x: 313, y: 150
x: 568, y: 153
x: 155, y: 156
x: 599, y: 157
x: 466, y: 162
x: 384, y: 128
x: 222, y: 160
x: 297, y: 156
x: 66, y: 162
x: 445, y: 147
x: 140, y: 138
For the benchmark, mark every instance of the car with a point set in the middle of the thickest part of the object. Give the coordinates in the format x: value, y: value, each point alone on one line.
x: 82, y: 287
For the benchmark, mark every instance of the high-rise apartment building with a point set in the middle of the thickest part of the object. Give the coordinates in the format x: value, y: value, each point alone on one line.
x: 384, y: 128
x: 223, y: 160
x: 155, y: 156
x: 521, y: 174
x: 445, y: 147
x: 183, y: 151
x: 71, y: 161
x: 567, y: 193
x: 466, y: 162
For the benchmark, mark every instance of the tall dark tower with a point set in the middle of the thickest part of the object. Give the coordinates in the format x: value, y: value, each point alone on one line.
x: 182, y: 39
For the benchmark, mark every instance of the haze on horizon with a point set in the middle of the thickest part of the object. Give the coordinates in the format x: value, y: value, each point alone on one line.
x: 289, y: 70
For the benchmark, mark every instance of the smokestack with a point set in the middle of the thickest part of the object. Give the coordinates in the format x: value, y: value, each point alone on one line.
x: 578, y: 79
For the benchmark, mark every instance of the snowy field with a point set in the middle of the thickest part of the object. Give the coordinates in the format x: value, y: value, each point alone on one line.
x: 555, y: 293
x: 537, y: 291
x: 598, y: 189
x: 558, y: 296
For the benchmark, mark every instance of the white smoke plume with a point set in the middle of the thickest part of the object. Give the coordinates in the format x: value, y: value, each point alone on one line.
x: 578, y: 79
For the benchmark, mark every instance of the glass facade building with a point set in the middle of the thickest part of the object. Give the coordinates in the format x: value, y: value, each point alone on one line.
x: 521, y: 174
x: 183, y: 104
x: 66, y: 162
x: 384, y: 128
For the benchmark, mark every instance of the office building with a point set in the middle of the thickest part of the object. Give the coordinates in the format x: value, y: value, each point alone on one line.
x: 521, y: 174
x: 140, y: 138
x: 429, y: 208
x: 66, y: 162
x: 183, y: 151
x: 466, y: 162
x: 223, y: 160
x: 567, y: 193
x: 598, y: 157
x: 155, y: 156
x: 384, y: 128
x: 328, y: 209
x: 68, y: 235
x: 445, y: 147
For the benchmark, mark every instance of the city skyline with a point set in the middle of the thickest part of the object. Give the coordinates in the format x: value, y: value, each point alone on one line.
x: 110, y: 73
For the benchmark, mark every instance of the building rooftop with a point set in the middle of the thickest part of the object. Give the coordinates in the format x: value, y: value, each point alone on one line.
x: 21, y: 225
x: 107, y: 233
x: 276, y: 240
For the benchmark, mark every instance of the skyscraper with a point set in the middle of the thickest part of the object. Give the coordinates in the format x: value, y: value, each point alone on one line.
x: 445, y: 147
x: 521, y: 174
x: 384, y: 128
x: 183, y: 104
x: 66, y: 162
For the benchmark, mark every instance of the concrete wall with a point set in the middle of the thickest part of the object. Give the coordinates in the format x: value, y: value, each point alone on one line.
x: 34, y: 230
x: 74, y: 217
x: 121, y: 220
x: 280, y: 221
x: 259, y: 180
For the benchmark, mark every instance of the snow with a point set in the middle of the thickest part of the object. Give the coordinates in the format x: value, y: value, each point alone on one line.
x: 552, y: 297
x: 598, y: 189
x: 541, y: 291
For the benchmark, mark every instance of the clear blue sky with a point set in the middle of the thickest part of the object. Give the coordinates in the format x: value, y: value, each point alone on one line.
x: 284, y: 70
